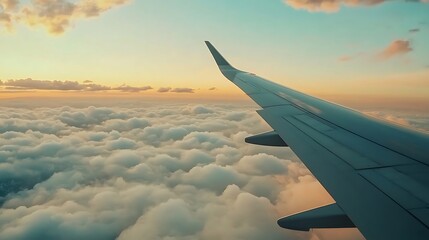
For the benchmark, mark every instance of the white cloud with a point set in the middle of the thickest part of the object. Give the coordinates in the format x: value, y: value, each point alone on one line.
x: 172, y: 219
x: 212, y: 177
x: 262, y: 164
x: 121, y: 143
x: 171, y: 172
x: 90, y: 116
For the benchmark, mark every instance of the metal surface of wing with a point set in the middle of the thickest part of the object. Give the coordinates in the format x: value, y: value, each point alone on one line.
x: 377, y: 172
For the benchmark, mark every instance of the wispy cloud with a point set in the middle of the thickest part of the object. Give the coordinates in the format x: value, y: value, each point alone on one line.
x: 182, y: 90
x: 164, y: 89
x: 87, y: 85
x: 47, y: 85
x: 414, y: 30
x: 333, y: 5
x: 351, y: 57
x: 176, y: 90
x: 394, y: 49
x: 32, y: 84
x: 345, y: 58
x: 126, y: 88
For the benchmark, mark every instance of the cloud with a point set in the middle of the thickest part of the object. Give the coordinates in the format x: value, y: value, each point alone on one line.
x: 184, y: 222
x: 42, y: 84
x: 32, y: 84
x: 262, y: 164
x: 126, y: 88
x: 175, y: 171
x: 213, y: 177
x: 230, y: 218
x: 390, y: 118
x: 395, y: 48
x: 414, y: 30
x: 93, y: 87
x: 212, y: 88
x: 345, y: 58
x: 121, y: 143
x: 417, y: 121
x: 7, y: 7
x: 182, y: 90
x: 164, y: 89
x: 333, y: 5
x: 121, y: 125
x: 57, y: 15
x: 176, y: 90
x: 89, y: 116
x: 197, y: 109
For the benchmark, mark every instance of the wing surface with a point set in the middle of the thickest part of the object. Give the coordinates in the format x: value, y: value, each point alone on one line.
x: 377, y: 172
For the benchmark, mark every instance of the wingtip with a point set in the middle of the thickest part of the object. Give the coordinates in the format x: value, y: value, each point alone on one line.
x: 220, y: 60
x: 227, y: 70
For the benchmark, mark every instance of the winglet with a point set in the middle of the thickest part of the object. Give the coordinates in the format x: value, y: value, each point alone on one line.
x: 220, y: 60
x: 227, y: 70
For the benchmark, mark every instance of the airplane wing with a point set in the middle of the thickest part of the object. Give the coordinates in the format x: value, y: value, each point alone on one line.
x: 377, y: 172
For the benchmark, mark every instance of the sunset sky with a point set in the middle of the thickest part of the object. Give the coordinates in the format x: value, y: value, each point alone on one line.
x: 374, y: 48
x: 115, y: 122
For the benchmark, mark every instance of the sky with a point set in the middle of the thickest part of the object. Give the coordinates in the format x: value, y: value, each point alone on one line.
x: 115, y: 122
x: 370, y: 48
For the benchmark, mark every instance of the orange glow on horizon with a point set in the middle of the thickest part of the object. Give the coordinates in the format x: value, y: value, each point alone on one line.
x: 233, y: 95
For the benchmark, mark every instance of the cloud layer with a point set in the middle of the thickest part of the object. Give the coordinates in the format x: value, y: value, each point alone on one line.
x: 33, y: 84
x: 158, y: 172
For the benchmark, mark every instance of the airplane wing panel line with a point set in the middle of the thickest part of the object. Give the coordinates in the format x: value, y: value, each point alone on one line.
x: 391, y: 178
x: 422, y: 214
x: 354, y: 159
x: 268, y: 100
x: 319, y: 125
x: 283, y: 110
x: 417, y: 203
x: 326, y: 135
x: 401, y: 196
x: 394, y: 197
